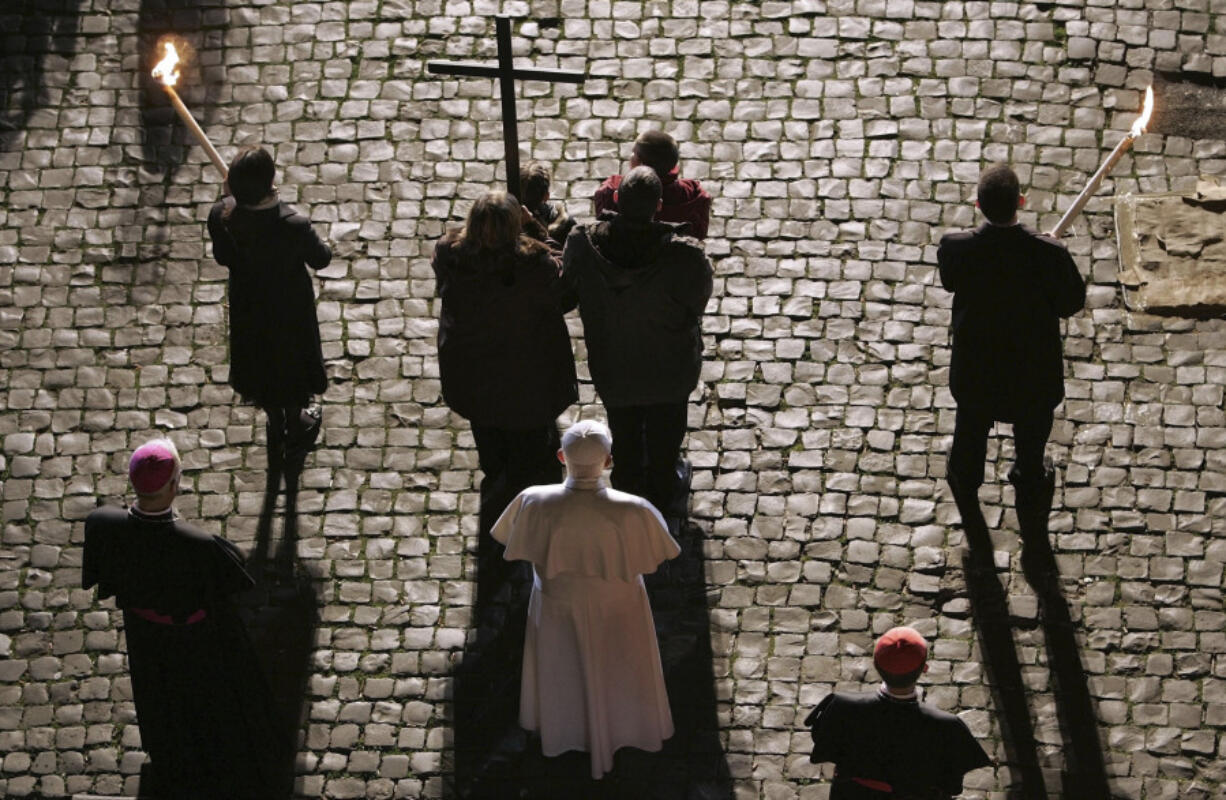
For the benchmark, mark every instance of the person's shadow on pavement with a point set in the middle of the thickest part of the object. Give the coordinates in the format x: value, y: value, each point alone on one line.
x: 1084, y: 774
x: 45, y: 30
x: 489, y: 746
x: 282, y: 611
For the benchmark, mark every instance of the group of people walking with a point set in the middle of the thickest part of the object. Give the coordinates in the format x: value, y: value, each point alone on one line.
x: 640, y: 279
x: 640, y: 283
x: 592, y: 676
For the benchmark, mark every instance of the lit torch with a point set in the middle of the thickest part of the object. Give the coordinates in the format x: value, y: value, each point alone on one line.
x: 1138, y: 128
x: 167, y: 72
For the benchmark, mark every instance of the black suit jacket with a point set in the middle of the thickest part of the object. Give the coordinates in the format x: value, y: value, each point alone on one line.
x: 641, y: 291
x: 1011, y: 286
x: 920, y: 751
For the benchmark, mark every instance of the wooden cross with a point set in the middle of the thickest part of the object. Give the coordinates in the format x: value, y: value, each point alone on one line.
x: 506, y: 74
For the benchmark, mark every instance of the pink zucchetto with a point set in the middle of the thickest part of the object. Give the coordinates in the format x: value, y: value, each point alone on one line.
x: 154, y: 465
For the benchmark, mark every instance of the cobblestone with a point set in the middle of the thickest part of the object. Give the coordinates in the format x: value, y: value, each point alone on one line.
x: 839, y: 140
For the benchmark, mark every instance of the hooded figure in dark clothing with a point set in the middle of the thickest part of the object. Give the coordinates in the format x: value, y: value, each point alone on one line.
x: 204, y: 711
x: 276, y: 360
x: 1011, y: 287
x: 888, y: 745
x: 683, y: 200
x: 641, y: 287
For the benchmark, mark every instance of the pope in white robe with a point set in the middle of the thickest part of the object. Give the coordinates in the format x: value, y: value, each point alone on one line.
x: 592, y: 678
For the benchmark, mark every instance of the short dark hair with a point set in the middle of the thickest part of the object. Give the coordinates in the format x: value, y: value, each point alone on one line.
x: 999, y: 192
x: 534, y: 181
x: 639, y: 193
x: 251, y: 175
x: 658, y: 150
x: 904, y: 680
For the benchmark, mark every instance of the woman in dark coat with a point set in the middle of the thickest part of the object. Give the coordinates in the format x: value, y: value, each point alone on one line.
x: 276, y: 361
x: 504, y: 352
x: 506, y: 365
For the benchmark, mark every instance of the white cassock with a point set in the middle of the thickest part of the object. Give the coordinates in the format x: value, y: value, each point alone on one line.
x: 592, y: 678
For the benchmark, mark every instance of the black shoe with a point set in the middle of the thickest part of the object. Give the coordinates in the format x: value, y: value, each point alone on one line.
x: 301, y: 439
x: 679, y: 505
x: 1033, y: 499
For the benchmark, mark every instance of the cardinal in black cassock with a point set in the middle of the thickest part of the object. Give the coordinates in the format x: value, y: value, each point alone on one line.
x: 201, y: 701
x: 887, y: 745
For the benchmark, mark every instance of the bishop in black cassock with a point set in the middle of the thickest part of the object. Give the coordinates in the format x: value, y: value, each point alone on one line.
x: 201, y: 701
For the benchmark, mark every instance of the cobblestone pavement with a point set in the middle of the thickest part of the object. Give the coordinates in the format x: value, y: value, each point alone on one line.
x: 839, y: 138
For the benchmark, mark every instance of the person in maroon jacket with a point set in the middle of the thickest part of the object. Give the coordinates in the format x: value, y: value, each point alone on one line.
x: 684, y: 199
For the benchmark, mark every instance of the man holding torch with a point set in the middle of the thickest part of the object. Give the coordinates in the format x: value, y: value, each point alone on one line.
x: 276, y: 356
x: 1011, y: 286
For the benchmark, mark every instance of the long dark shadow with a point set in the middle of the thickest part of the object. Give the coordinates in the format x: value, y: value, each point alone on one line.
x: 489, y: 745
x: 1085, y: 771
x: 692, y: 764
x: 282, y: 614
x: 274, y: 474
x: 990, y: 613
x: 39, y: 34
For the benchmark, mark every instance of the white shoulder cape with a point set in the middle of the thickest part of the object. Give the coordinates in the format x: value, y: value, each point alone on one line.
x: 582, y: 530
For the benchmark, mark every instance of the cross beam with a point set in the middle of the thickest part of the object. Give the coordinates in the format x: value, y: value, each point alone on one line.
x: 507, y: 74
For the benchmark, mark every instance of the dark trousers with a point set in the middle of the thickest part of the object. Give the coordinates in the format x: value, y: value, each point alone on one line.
x: 646, y: 443
x: 291, y: 433
x: 511, y: 461
x: 487, y: 683
x: 282, y: 424
x: 970, y: 448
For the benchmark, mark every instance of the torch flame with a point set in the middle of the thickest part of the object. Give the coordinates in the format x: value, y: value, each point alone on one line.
x: 1147, y: 111
x: 167, y: 70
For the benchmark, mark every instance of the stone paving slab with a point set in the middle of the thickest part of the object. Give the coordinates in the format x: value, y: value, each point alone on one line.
x: 839, y: 139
